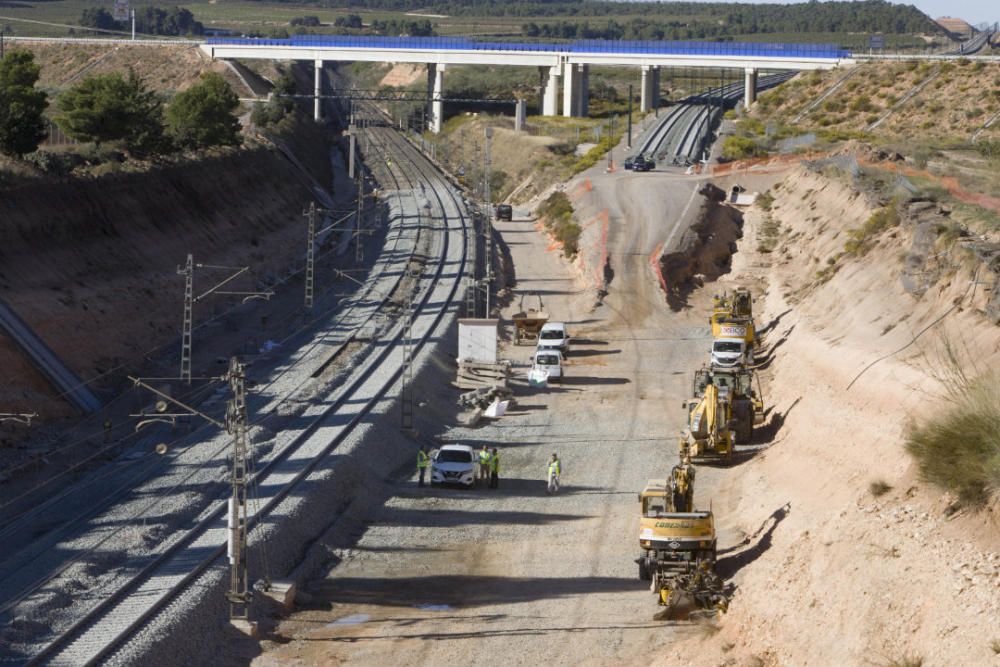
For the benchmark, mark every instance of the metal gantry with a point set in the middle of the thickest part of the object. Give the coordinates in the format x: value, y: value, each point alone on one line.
x: 189, y: 301
x: 489, y: 219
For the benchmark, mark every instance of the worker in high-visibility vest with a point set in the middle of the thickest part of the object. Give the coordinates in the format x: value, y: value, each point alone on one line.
x: 494, y: 469
x: 555, y: 469
x: 423, y: 463
x: 484, y: 463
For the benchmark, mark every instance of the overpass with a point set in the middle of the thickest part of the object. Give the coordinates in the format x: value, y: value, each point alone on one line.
x: 568, y: 62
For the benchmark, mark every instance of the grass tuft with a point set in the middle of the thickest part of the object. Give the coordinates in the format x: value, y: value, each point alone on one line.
x: 557, y: 215
x: 959, y: 449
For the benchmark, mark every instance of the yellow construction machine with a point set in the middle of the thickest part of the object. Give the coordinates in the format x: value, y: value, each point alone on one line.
x: 732, y: 317
x: 710, y: 423
x: 736, y: 386
x: 678, y: 547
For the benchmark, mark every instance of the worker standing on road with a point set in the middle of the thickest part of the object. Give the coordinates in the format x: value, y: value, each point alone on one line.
x: 484, y: 463
x: 494, y: 469
x: 555, y: 469
x: 423, y: 462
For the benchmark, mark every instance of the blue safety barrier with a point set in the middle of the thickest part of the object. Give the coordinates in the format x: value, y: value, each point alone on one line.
x: 739, y: 49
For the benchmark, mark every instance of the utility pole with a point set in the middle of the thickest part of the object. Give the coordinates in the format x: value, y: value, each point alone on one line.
x: 310, y: 255
x: 629, y: 142
x: 236, y: 426
x: 186, y: 331
x: 359, y: 250
x: 406, y: 392
x: 237, y: 516
x: 189, y: 301
x: 489, y: 219
x: 133, y: 23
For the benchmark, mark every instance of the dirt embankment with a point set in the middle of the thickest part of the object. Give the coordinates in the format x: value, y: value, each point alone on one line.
x: 705, y: 249
x: 846, y: 556
x: 91, y: 264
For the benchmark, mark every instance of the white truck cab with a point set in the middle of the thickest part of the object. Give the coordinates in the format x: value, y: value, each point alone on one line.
x: 730, y: 352
x: 550, y: 361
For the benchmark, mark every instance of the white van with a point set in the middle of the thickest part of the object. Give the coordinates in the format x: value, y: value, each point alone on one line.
x: 549, y: 361
x: 554, y: 335
x: 730, y: 352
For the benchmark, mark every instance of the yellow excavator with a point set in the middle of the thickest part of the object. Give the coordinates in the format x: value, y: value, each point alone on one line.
x: 678, y: 546
x: 746, y: 400
x: 710, y: 423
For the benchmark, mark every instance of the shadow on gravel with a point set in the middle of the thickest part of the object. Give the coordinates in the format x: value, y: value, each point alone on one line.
x: 577, y: 380
x: 574, y: 354
x: 532, y: 630
x: 460, y: 590
x: 588, y: 341
x: 729, y: 565
x: 428, y: 518
x: 511, y: 486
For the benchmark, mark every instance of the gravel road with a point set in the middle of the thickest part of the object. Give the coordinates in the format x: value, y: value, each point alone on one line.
x: 448, y: 576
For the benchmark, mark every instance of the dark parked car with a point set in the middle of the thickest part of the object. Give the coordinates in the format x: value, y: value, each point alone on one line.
x: 642, y: 163
x: 505, y: 212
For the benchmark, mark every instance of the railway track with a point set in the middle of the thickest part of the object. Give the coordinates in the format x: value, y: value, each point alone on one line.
x: 159, y: 575
x: 683, y: 133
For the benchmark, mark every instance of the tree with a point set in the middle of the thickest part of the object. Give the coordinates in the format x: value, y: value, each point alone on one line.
x: 22, y: 126
x: 100, y: 18
x: 202, y: 115
x: 110, y: 107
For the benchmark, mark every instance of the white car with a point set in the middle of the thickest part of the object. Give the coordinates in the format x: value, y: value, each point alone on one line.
x: 730, y: 352
x: 553, y: 335
x: 548, y: 361
x: 454, y: 464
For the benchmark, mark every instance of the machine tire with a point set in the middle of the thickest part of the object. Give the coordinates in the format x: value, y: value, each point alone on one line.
x: 743, y: 412
x: 644, y: 574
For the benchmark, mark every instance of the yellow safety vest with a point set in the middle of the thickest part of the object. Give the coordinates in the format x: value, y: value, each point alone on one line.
x: 484, y: 457
x: 555, y: 468
x: 495, y: 463
x: 422, y: 459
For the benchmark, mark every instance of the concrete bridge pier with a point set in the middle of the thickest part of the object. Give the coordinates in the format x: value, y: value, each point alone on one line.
x: 549, y: 79
x: 317, y: 91
x: 435, y: 90
x: 576, y: 93
x: 649, y: 88
x: 750, y: 87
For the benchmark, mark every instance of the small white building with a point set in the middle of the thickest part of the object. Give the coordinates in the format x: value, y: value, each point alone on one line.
x: 477, y: 340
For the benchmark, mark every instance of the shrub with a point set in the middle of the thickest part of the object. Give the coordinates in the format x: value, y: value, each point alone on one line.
x: 202, y: 116
x: 959, y: 449
x: 22, y: 126
x: 557, y: 214
x: 861, y: 103
x: 736, y: 148
x: 111, y: 107
x: 859, y: 240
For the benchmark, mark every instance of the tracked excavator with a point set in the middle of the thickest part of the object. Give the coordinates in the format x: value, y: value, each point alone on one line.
x: 710, y: 423
x: 678, y: 546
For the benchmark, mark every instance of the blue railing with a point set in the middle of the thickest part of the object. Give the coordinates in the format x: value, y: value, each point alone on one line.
x: 758, y: 49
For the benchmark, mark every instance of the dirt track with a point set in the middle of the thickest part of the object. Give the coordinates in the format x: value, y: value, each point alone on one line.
x: 445, y: 576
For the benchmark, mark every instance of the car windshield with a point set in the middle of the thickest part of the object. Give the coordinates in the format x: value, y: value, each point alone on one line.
x: 551, y: 334
x: 728, y: 346
x: 454, y: 456
x: 547, y: 360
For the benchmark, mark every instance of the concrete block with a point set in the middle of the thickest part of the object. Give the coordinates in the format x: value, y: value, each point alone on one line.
x: 282, y: 591
x: 245, y: 626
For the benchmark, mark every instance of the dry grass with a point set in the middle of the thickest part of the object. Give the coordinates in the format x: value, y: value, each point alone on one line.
x: 959, y: 448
